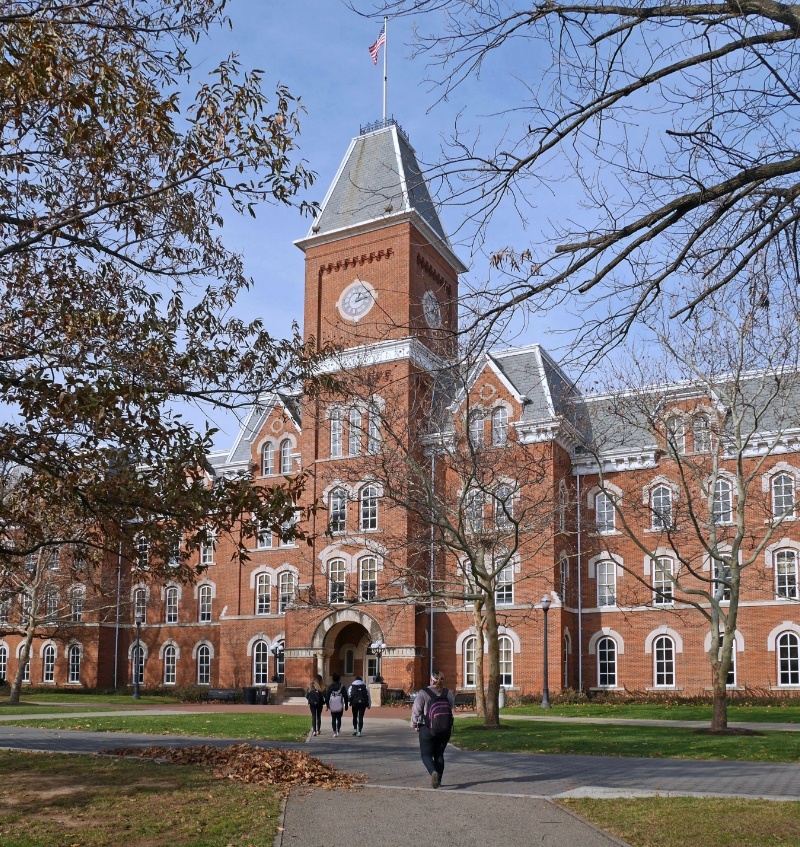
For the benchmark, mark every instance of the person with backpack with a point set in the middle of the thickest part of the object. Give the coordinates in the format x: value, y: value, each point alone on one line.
x: 337, y: 702
x: 316, y: 700
x: 360, y: 701
x: 432, y: 718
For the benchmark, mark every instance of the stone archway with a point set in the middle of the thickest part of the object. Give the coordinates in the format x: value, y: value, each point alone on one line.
x: 341, y: 643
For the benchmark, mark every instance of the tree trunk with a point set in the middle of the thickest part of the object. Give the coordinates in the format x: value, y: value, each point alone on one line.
x: 719, y: 708
x: 24, y: 657
x: 492, y: 717
x: 480, y: 698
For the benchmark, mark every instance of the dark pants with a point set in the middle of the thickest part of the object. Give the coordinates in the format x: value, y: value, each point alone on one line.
x: 431, y: 749
x: 336, y: 721
x: 316, y: 718
x: 358, y: 717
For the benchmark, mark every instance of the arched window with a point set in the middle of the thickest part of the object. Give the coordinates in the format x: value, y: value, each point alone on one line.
x: 3, y: 662
x: 171, y: 605
x: 285, y: 591
x: 368, y: 580
x: 499, y: 426
x: 504, y: 587
x: 661, y: 507
x: 268, y: 459
x: 506, y: 649
x: 604, y: 516
x: 701, y: 434
x: 607, y: 663
x: 783, y: 495
x: 606, y: 583
x: 336, y: 433
x: 723, y: 502
x: 788, y: 659
x: 563, y: 577
x: 369, y: 508
x: 470, y: 646
x: 137, y: 664
x: 354, y: 435
x: 49, y: 664
x: 26, y: 672
x: 51, y: 600
x: 563, y: 504
x: 77, y: 595
x: 786, y: 574
x: 676, y: 440
x: 374, y: 436
x: 74, y: 663
x: 263, y: 594
x: 286, y: 456
x: 504, y: 507
x: 170, y: 665
x: 664, y: 658
x: 337, y: 511
x: 204, y: 665
x: 260, y: 663
x: 476, y: 420
x: 142, y: 552
x: 207, y: 550
x: 204, y: 604
x: 662, y: 581
x: 336, y: 581
x: 473, y: 511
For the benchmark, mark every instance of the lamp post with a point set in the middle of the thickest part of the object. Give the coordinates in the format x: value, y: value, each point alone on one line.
x: 377, y: 648
x: 545, y: 687
x: 137, y: 656
x: 277, y: 652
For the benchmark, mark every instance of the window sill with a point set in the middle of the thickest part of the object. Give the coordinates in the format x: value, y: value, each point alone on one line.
x: 664, y: 688
x: 784, y: 688
x: 606, y: 688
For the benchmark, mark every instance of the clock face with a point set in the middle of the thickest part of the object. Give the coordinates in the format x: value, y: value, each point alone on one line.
x: 432, y: 310
x: 356, y: 300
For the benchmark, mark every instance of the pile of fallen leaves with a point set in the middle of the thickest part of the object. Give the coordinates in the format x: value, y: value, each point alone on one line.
x: 245, y: 763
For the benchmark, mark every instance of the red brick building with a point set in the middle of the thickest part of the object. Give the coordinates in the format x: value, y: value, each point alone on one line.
x: 381, y: 282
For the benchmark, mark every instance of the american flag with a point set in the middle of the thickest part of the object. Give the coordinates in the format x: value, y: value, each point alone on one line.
x: 373, y: 51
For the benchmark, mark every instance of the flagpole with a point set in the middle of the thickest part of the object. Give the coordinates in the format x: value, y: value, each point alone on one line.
x: 385, y: 63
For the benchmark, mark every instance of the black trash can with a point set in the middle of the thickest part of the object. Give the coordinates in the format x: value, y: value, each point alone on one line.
x: 262, y: 696
x: 249, y: 695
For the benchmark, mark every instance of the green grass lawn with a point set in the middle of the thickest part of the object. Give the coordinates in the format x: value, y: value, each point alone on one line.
x: 789, y: 713
x: 268, y: 725
x: 610, y: 740
x: 41, y: 702
x: 48, y: 800
x: 694, y: 822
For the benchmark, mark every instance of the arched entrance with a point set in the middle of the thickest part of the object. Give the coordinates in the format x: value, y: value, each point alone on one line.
x: 341, y: 643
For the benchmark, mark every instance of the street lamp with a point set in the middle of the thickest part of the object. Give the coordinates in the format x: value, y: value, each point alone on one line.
x: 277, y: 652
x: 545, y: 687
x: 377, y: 648
x: 137, y: 656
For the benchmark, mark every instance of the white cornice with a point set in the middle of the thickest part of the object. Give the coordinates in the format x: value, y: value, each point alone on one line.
x: 618, y: 460
x: 383, y: 352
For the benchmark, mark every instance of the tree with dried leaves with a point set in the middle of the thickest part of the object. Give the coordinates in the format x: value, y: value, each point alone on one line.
x: 670, y: 125
x: 713, y: 403
x: 120, y: 163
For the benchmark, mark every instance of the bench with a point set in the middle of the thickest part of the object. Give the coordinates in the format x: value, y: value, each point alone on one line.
x: 227, y: 694
x: 464, y: 699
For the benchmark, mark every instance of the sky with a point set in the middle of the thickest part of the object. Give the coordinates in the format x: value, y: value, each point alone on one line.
x: 319, y: 49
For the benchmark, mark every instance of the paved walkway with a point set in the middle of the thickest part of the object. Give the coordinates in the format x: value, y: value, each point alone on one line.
x: 511, y: 793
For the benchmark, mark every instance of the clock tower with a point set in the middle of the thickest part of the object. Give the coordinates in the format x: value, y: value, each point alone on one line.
x: 379, y: 265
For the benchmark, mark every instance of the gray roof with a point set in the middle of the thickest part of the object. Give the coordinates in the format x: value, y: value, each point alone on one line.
x: 378, y: 182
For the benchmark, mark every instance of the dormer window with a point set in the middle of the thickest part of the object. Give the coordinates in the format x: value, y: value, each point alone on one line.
x: 701, y: 433
x: 268, y: 459
x: 676, y: 438
x: 286, y: 456
x: 476, y: 429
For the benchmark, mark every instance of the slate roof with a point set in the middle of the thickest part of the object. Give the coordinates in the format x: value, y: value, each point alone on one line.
x: 379, y: 181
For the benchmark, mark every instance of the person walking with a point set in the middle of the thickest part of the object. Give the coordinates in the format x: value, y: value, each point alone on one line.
x: 360, y: 701
x: 316, y: 700
x: 337, y: 702
x: 432, y: 718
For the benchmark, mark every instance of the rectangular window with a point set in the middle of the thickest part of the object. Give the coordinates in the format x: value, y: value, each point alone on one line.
x: 604, y: 517
x: 786, y: 574
x: 207, y: 553
x: 204, y: 611
x: 140, y: 604
x: 606, y: 583
x: 374, y: 431
x: 336, y: 433
x: 722, y: 580
x: 74, y: 664
x: 172, y: 605
x: 336, y: 576
x: 354, y: 435
x: 264, y: 539
x: 5, y: 605
x: 76, y: 603
x: 286, y: 593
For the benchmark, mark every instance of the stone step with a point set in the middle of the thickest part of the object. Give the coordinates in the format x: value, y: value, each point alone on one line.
x: 295, y: 701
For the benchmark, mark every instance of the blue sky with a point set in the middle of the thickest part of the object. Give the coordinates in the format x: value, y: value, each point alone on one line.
x: 319, y: 49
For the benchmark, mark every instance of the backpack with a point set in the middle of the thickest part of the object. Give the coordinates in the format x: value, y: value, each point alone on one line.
x: 440, y: 714
x: 314, y: 697
x: 358, y: 695
x: 336, y: 700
